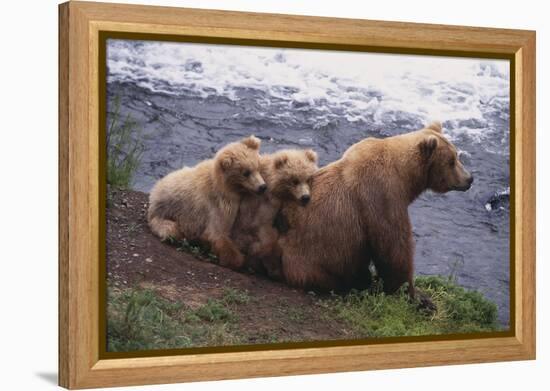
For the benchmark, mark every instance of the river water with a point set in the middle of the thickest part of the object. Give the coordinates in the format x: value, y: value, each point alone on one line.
x: 191, y: 99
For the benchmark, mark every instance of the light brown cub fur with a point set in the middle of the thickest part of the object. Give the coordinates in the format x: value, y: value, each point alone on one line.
x: 201, y: 203
x: 287, y: 174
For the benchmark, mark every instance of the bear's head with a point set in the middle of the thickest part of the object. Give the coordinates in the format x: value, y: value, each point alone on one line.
x: 445, y: 171
x: 239, y: 165
x: 291, y: 173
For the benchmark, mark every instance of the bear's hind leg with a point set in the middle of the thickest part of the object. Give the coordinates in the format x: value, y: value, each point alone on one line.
x: 164, y: 229
x: 298, y: 272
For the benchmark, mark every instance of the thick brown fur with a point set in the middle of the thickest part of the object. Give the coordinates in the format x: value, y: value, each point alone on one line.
x: 201, y: 203
x: 287, y: 174
x: 358, y: 212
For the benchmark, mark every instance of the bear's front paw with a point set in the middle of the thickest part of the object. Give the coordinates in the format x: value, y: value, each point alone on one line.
x: 425, y: 303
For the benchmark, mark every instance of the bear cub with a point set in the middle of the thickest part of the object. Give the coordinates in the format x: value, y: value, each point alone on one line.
x: 201, y: 203
x: 287, y: 174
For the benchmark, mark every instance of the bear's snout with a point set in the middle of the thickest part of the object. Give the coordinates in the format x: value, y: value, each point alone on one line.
x: 262, y: 188
x: 467, y: 184
x: 305, y: 199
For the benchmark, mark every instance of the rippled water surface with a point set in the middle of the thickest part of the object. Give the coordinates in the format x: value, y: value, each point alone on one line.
x: 191, y: 99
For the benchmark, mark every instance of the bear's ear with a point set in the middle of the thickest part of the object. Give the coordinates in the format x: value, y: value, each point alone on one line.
x: 280, y: 161
x: 427, y: 147
x: 225, y: 162
x: 252, y: 142
x: 436, y: 125
x: 311, y: 155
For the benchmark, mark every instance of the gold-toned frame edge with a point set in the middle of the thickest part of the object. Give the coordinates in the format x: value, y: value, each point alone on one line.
x: 104, y: 36
x: 79, y: 363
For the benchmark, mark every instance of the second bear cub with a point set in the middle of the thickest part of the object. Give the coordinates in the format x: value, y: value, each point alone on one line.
x: 287, y: 174
x: 201, y: 203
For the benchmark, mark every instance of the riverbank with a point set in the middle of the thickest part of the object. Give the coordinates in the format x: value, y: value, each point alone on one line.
x: 164, y: 295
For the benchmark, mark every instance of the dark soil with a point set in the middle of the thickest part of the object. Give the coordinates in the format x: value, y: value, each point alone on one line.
x: 138, y: 259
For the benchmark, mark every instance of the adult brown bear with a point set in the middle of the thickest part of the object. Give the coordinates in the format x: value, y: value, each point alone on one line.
x: 359, y: 211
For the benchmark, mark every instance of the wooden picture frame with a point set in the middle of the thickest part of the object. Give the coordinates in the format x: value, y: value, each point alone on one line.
x: 81, y: 364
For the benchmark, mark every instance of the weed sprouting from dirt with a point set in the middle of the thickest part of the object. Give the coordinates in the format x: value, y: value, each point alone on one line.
x: 213, y: 311
x: 455, y: 268
x: 124, y: 148
x: 234, y: 296
x: 193, y: 248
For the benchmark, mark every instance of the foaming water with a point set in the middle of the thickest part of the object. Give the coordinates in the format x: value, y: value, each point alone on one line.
x: 191, y: 99
x: 339, y: 85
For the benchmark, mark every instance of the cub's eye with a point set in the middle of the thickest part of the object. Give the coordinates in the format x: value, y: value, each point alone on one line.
x: 452, y: 162
x: 295, y: 181
x: 246, y: 173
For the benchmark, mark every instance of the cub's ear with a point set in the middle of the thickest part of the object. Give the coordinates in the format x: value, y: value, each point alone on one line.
x: 280, y: 161
x: 427, y: 147
x: 252, y: 142
x: 436, y: 125
x: 311, y: 155
x: 225, y: 162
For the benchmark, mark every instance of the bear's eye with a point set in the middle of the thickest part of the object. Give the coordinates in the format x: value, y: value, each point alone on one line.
x: 295, y: 181
x: 452, y: 162
x: 246, y: 173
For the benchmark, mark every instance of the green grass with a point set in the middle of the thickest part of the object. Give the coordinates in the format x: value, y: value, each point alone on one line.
x: 234, y: 296
x: 374, y: 314
x: 140, y: 319
x: 124, y: 148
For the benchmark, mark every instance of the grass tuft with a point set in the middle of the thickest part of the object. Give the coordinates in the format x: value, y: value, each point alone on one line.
x: 141, y: 319
x: 124, y: 148
x: 234, y: 296
x: 378, y: 315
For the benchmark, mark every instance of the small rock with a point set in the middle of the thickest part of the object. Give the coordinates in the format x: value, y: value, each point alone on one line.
x: 136, y: 255
x: 149, y: 260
